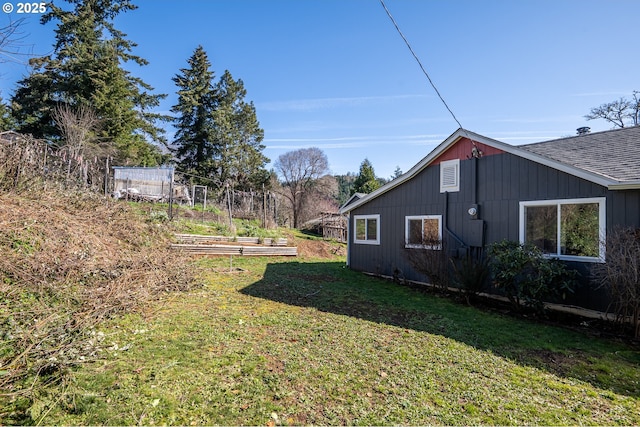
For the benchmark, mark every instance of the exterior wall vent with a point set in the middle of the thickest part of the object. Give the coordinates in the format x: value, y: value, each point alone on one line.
x: 450, y: 176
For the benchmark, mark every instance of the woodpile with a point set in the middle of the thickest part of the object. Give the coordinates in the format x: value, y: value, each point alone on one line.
x: 224, y: 245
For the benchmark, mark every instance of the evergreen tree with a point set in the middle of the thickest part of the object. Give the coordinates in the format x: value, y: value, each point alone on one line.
x: 6, y: 119
x: 366, y: 181
x: 197, y: 99
x: 218, y: 137
x: 33, y: 105
x: 345, y: 187
x: 237, y: 137
x: 397, y: 173
x: 85, y: 69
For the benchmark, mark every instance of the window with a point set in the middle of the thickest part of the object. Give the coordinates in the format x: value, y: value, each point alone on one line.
x: 424, y: 231
x: 572, y: 229
x: 450, y: 175
x: 367, y: 229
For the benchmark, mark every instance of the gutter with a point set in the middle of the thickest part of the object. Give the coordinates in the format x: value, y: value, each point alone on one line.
x: 628, y: 185
x: 446, y: 222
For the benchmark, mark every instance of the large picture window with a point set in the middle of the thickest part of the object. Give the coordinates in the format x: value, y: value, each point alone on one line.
x: 423, y: 231
x: 571, y: 229
x: 367, y: 229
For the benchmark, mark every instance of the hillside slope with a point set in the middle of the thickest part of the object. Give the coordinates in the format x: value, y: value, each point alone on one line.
x: 69, y: 261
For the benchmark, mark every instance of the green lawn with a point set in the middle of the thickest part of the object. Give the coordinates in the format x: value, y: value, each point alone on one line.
x: 307, y: 341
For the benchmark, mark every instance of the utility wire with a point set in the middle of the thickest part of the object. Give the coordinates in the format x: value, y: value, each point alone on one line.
x: 395, y: 24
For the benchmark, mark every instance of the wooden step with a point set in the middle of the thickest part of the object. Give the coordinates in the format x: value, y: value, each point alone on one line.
x: 204, y: 239
x: 213, y: 249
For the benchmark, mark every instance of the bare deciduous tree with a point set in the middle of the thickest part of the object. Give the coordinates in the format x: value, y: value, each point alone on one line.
x: 620, y: 113
x: 300, y: 171
x: 10, y: 41
x: 321, y: 198
x: 78, y: 128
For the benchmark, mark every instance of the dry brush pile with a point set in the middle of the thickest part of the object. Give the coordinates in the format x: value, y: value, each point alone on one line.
x: 68, y: 262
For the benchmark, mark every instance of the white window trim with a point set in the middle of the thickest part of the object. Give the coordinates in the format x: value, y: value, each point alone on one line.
x: 422, y: 217
x: 355, y: 232
x: 602, y: 225
x: 447, y: 165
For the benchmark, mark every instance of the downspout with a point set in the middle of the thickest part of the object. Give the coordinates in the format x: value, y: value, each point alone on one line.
x: 474, y: 178
x: 474, y: 204
x: 446, y: 221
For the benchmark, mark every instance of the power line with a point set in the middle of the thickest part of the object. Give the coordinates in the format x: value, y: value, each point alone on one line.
x: 395, y: 24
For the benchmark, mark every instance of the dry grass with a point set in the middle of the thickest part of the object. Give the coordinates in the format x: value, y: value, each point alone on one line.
x: 68, y: 262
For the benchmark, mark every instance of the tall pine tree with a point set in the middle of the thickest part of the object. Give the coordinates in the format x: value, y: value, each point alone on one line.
x: 238, y: 137
x: 85, y: 69
x: 218, y: 137
x: 193, y: 144
x: 366, y: 181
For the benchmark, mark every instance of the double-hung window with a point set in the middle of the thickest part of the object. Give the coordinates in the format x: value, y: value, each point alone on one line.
x: 570, y: 229
x: 367, y: 229
x: 423, y: 231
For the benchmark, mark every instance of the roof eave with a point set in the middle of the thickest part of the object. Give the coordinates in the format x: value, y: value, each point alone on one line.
x: 441, y: 148
x: 606, y: 182
x: 625, y: 185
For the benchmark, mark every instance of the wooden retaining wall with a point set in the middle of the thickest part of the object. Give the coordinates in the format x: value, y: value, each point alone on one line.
x: 222, y: 245
x: 203, y: 239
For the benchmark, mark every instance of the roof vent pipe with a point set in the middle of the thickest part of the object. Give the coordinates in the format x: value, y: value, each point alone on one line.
x: 583, y: 130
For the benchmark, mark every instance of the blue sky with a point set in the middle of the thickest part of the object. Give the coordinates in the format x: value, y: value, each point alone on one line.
x: 335, y: 74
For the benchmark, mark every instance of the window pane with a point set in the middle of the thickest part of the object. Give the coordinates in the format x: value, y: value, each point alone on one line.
x: 542, y: 227
x: 579, y: 229
x: 431, y: 231
x: 372, y: 229
x: 361, y: 231
x: 415, y: 232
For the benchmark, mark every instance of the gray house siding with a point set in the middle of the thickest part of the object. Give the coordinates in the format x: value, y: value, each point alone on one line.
x: 418, y: 196
x: 505, y: 180
x: 623, y: 208
x: 497, y: 183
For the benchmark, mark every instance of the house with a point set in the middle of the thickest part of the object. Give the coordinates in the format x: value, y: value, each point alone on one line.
x: 472, y: 191
x: 354, y: 198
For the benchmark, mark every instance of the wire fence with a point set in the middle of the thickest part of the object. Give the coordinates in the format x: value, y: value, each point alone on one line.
x: 29, y: 164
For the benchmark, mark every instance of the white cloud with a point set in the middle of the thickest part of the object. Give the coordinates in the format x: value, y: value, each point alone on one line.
x: 353, y: 141
x: 328, y: 103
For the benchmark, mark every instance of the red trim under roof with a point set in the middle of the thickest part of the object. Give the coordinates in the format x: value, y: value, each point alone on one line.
x: 462, y: 150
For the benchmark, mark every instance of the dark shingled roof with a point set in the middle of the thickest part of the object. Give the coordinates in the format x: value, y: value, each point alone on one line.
x: 613, y: 154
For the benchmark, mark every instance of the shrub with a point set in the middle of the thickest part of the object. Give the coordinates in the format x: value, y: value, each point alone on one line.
x: 620, y: 275
x: 470, y: 274
x: 433, y: 263
x: 158, y: 216
x: 526, y: 277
